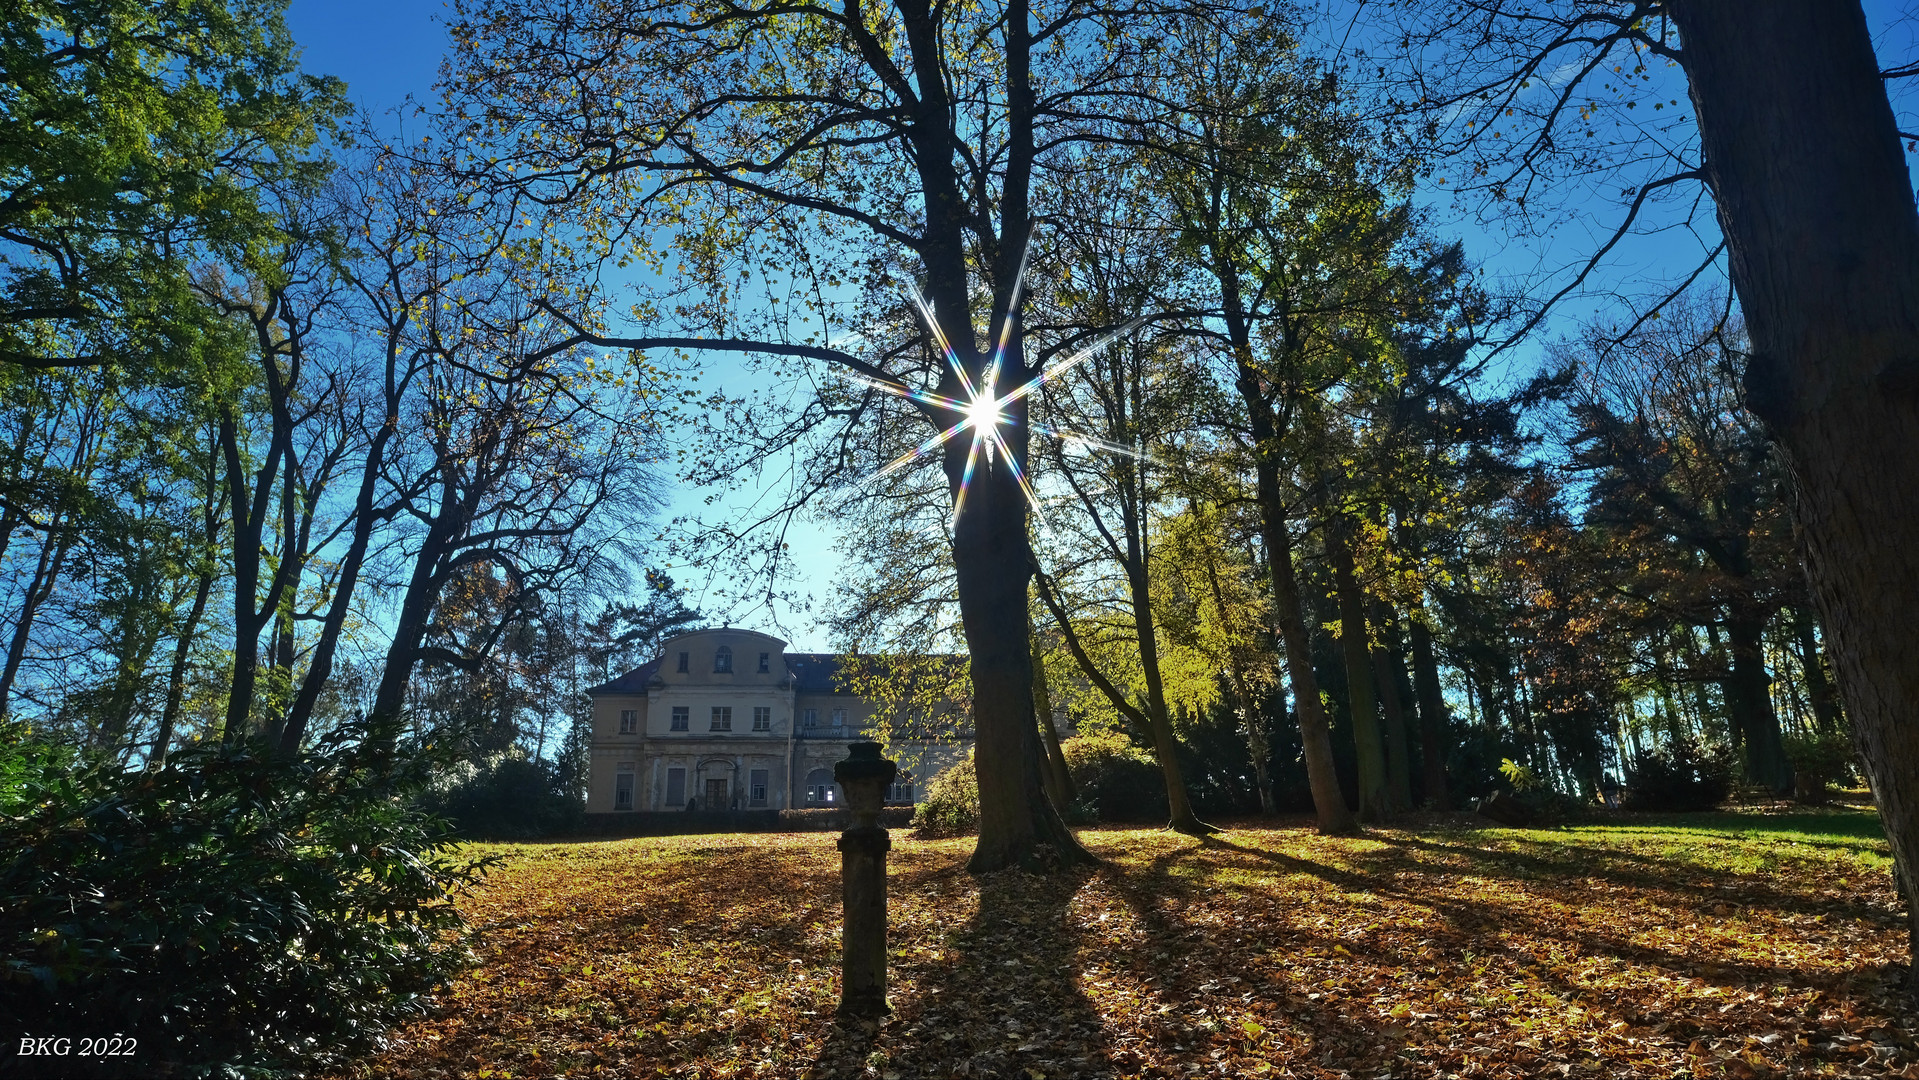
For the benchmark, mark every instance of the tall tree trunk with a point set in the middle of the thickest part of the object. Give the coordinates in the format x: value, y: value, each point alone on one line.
x: 1316, y: 740
x: 46, y: 574
x: 1160, y: 723
x: 1819, y: 694
x: 1059, y: 779
x: 422, y: 594
x: 1750, y: 693
x: 1733, y: 701
x: 1260, y: 749
x: 177, y: 674
x: 1388, y: 672
x: 993, y: 560
x: 1803, y: 155
x: 1374, y: 804
x: 1434, y: 726
x: 326, y: 646
x: 1490, y: 713
x: 248, y: 511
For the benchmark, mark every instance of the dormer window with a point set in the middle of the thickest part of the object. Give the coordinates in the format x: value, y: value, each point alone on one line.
x: 766, y: 662
x: 723, y: 660
x: 684, y: 658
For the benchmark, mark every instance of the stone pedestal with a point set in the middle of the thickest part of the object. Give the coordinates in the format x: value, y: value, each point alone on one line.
x: 864, y: 777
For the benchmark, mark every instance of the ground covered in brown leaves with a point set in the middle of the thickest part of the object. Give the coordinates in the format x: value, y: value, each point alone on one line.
x: 1725, y: 945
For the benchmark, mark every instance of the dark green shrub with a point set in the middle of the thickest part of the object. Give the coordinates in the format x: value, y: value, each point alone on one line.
x: 1819, y: 760
x: 1684, y: 774
x: 951, y: 803
x: 505, y: 798
x: 236, y: 913
x: 834, y: 819
x: 1115, y: 779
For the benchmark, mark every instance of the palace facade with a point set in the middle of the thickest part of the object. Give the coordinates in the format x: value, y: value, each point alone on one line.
x: 727, y: 719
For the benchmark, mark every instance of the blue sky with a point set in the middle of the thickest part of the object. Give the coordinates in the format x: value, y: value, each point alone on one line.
x: 388, y: 50
x: 384, y: 49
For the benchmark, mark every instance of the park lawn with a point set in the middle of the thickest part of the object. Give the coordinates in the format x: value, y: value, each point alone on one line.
x: 1730, y: 945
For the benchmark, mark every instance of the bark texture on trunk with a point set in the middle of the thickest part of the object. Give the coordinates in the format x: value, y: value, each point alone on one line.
x: 1316, y: 739
x: 1059, y: 779
x: 1434, y: 726
x: 177, y: 672
x: 1388, y: 671
x: 1804, y: 159
x: 1361, y: 702
x: 1750, y: 691
x: 1017, y: 822
x: 1819, y: 692
x: 1179, y: 808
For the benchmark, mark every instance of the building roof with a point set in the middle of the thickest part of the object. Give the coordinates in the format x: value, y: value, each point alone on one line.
x: 633, y: 682
x: 814, y: 672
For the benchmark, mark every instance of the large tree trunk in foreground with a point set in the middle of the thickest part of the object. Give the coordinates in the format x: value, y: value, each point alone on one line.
x: 994, y: 565
x: 1804, y: 159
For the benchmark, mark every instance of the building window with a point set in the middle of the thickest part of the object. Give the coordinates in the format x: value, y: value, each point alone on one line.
x: 684, y: 658
x: 756, y: 787
x: 762, y: 718
x: 676, y: 789
x: 682, y: 717
x: 715, y: 794
x: 902, y: 789
x: 629, y: 721
x: 722, y: 718
x: 839, y: 717
x: 766, y: 663
x: 820, y: 789
x: 809, y: 718
x: 623, y: 791
x: 723, y: 660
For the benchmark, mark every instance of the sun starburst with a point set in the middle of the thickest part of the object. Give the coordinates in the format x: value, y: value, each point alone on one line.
x: 983, y: 410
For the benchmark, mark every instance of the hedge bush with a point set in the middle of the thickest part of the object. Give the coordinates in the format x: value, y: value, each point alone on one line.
x: 950, y: 806
x: 236, y: 912
x: 504, y: 798
x: 1684, y: 774
x: 836, y: 818
x: 1116, y: 780
x: 1818, y: 760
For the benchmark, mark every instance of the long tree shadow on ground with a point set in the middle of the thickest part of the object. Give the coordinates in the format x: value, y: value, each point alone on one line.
x: 995, y: 996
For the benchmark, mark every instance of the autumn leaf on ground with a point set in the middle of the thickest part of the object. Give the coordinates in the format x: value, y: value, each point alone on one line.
x: 1725, y: 945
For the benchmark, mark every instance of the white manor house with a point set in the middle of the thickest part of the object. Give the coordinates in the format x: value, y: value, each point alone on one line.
x: 727, y: 719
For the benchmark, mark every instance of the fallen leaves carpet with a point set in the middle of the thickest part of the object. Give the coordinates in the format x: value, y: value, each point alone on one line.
x: 1750, y: 946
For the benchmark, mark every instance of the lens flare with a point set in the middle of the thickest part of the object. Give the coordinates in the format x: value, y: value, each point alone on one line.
x: 983, y: 410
